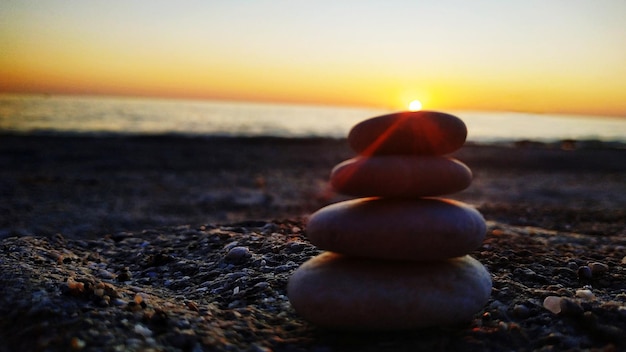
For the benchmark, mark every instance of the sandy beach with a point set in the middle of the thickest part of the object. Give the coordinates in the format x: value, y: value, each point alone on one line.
x: 89, y: 187
x: 75, y: 205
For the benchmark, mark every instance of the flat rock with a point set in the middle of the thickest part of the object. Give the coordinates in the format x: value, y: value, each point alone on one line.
x: 340, y: 292
x: 418, y: 229
x: 400, y: 176
x: 417, y: 132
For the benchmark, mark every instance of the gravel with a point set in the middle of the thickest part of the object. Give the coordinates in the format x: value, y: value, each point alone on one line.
x: 123, y: 276
x: 222, y: 288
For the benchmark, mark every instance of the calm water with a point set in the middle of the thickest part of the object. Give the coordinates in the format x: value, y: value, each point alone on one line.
x: 61, y: 114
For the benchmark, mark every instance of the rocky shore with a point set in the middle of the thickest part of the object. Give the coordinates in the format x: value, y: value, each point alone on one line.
x: 173, y: 243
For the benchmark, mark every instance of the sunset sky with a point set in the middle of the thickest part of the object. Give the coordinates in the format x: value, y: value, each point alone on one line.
x: 547, y: 56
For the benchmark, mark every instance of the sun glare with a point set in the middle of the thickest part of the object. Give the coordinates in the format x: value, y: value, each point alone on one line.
x: 415, y: 105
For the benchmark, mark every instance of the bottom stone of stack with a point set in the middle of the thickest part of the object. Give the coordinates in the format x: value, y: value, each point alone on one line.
x: 340, y: 292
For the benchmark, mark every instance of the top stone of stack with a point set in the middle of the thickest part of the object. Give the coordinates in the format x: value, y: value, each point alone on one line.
x: 408, y: 133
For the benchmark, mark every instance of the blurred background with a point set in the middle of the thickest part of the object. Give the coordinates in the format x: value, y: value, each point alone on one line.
x: 540, y: 84
x: 555, y: 59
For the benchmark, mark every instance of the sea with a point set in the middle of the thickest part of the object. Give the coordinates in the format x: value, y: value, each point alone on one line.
x: 51, y: 114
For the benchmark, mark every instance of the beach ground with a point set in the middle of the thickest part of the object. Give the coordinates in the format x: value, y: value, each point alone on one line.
x: 89, y: 187
x: 166, y: 208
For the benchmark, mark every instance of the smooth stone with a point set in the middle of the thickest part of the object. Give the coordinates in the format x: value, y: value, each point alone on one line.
x: 400, y: 176
x: 585, y: 294
x: 571, y: 307
x: 417, y: 133
x: 584, y: 273
x: 238, y: 254
x: 418, y: 229
x: 336, y: 291
x: 598, y: 269
x: 553, y: 304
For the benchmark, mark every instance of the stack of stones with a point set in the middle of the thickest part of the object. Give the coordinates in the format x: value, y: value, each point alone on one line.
x: 396, y: 258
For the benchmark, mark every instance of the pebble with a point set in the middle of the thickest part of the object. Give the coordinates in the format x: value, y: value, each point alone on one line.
x: 553, y: 304
x: 570, y: 307
x: 598, y: 269
x: 564, y: 292
x: 521, y: 311
x: 400, y: 176
x: 142, y: 330
x: 77, y: 344
x: 562, y: 305
x: 585, y: 294
x: 262, y: 285
x: 417, y: 133
x: 420, y: 229
x: 565, y: 271
x: 341, y: 292
x: 119, y: 302
x: 584, y: 273
x: 238, y: 254
x: 498, y: 310
x: 124, y: 275
x: 105, y: 274
x: 296, y: 246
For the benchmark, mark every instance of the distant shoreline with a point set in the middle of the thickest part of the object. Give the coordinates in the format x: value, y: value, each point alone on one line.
x: 101, y: 117
x: 565, y: 144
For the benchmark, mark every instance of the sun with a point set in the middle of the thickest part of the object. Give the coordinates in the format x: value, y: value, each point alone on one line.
x: 415, y: 105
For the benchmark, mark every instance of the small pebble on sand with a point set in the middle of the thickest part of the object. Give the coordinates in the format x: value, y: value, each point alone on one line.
x: 585, y: 294
x: 598, y: 269
x: 521, y: 311
x: 570, y: 307
x: 238, y: 254
x: 142, y: 330
x: 584, y: 273
x: 553, y: 304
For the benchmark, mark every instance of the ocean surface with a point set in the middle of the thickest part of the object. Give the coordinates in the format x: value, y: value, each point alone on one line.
x: 106, y: 115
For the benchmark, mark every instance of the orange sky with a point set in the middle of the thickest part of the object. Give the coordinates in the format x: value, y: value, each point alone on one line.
x: 537, y: 56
